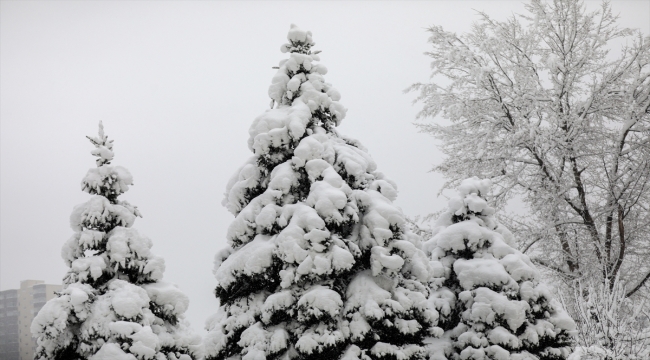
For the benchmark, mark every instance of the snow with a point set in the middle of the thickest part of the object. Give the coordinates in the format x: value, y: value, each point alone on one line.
x: 407, y: 326
x: 513, y: 312
x: 246, y: 178
x: 266, y: 217
x: 241, y: 314
x: 256, y: 340
x: 437, y: 348
x: 353, y: 352
x: 124, y: 242
x: 312, y: 89
x: 506, y: 235
x: 481, y: 272
x: 166, y: 294
x: 276, y: 302
x: 124, y: 328
x: 379, y: 217
x: 342, y: 259
x: 386, y: 188
x: 381, y: 349
x: 154, y: 267
x: 316, y: 339
x: 93, y: 266
x: 475, y: 203
x: 471, y: 193
x: 560, y: 318
x: 314, y: 168
x: 242, y: 230
x: 356, y: 162
x: 278, y: 128
x: 254, y: 258
x: 472, y: 353
x: 415, y: 262
x: 89, y: 239
x: 366, y: 296
x: 381, y: 258
x: 127, y: 299
x: 461, y: 236
x: 103, y: 147
x: 112, y: 351
x: 519, y: 267
x: 107, y: 180
x: 145, y: 343
x: 305, y: 267
x: 500, y: 335
x: 78, y: 297
x: 292, y: 242
x: 298, y: 35
x: 471, y: 338
x: 318, y: 301
x: 53, y: 316
x: 474, y: 186
x: 328, y: 200
x: 98, y: 211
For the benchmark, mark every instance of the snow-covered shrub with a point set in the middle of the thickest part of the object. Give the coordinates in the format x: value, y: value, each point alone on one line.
x: 320, y: 263
x: 488, y: 295
x: 114, y: 305
x: 611, y: 325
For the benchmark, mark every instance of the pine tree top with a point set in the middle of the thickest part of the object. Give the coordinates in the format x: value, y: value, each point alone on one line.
x: 300, y: 41
x: 106, y: 180
x: 300, y: 80
x: 104, y: 147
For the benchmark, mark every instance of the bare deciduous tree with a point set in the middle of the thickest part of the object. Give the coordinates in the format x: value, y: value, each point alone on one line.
x: 538, y: 104
x: 611, y: 325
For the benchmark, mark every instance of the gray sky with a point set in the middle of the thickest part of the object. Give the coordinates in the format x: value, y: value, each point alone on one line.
x: 177, y: 84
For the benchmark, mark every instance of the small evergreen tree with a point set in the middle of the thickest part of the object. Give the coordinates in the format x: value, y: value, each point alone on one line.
x: 113, y: 305
x: 320, y: 264
x: 490, y: 300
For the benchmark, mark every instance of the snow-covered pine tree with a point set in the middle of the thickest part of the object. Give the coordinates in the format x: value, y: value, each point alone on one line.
x: 113, y: 305
x: 489, y: 297
x: 320, y: 264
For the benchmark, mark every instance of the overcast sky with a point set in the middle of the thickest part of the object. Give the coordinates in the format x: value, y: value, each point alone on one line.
x: 177, y: 84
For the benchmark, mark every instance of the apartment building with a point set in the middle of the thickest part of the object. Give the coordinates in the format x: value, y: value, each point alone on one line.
x: 17, y: 310
x: 9, y: 325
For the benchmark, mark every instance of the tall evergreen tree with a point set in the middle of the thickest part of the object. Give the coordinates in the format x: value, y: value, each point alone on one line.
x: 490, y: 300
x: 320, y: 264
x: 113, y: 305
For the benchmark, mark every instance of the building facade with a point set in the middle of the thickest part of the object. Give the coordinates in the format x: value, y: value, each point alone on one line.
x: 17, y: 310
x: 9, y: 325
